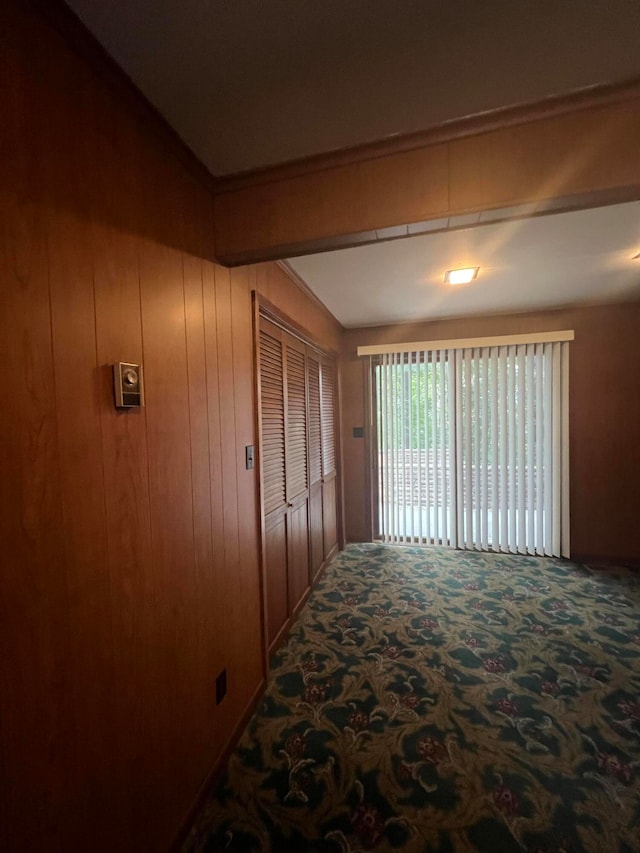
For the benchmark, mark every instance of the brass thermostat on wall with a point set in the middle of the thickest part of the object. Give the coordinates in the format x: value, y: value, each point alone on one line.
x: 128, y: 385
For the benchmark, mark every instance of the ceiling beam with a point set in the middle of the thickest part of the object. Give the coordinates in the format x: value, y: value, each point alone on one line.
x: 565, y: 153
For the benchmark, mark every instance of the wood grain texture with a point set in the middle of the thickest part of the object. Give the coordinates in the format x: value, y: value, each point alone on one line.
x: 279, y: 289
x: 298, y: 559
x: 125, y: 459
x: 129, y: 540
x: 247, y: 594
x: 329, y: 515
x: 563, y: 155
x: 585, y: 151
x: 316, y: 530
x: 590, y: 97
x: 604, y: 416
x: 276, y: 219
x: 129, y: 572
x: 208, y: 612
x: 36, y: 635
x: 276, y: 577
x: 298, y: 444
x: 173, y: 637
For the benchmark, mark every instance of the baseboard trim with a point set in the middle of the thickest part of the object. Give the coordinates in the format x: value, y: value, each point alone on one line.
x: 215, y: 775
x: 318, y: 575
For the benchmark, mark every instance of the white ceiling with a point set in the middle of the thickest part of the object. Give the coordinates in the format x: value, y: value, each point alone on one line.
x: 543, y: 262
x: 253, y: 82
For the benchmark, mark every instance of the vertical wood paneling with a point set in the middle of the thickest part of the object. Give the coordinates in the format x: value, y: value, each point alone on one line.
x: 299, y: 577
x: 248, y: 590
x: 355, y: 459
x: 207, y: 614
x: 231, y: 545
x: 316, y: 529
x: 278, y: 288
x: 129, y: 538
x: 173, y: 637
x: 125, y: 463
x: 68, y: 159
x: 35, y: 691
x: 329, y: 515
x: 36, y: 694
x: 210, y: 659
x: 277, y: 583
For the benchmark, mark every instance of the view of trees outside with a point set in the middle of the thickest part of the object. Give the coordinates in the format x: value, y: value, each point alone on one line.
x: 415, y: 397
x: 420, y: 441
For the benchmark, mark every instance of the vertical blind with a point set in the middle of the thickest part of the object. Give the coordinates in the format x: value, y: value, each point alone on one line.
x: 472, y: 447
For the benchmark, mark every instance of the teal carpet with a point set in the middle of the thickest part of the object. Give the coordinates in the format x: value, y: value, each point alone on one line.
x: 437, y: 700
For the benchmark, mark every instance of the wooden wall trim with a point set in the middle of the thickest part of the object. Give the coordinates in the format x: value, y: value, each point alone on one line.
x: 584, y: 98
x: 581, y: 155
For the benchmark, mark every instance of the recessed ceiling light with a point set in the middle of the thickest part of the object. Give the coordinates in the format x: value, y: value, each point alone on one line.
x: 463, y: 276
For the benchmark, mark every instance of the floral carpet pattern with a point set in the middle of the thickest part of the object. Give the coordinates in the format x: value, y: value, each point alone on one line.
x: 438, y: 700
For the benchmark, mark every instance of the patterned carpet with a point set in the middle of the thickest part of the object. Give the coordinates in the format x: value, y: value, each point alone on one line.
x: 435, y: 700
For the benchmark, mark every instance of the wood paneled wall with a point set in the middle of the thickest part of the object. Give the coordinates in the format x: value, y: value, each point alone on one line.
x: 277, y: 287
x: 128, y: 540
x: 564, y: 153
x: 604, y: 417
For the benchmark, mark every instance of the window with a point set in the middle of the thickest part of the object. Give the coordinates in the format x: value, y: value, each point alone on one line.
x: 472, y: 445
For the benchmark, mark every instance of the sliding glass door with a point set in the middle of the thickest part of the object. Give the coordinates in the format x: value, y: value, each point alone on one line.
x: 471, y: 447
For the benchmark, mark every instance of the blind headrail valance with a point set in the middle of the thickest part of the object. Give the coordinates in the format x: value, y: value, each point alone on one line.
x: 469, y: 343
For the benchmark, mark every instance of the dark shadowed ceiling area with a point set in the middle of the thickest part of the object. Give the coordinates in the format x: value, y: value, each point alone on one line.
x: 247, y: 83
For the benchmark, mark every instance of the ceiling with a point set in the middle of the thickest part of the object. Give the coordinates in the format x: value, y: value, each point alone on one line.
x: 248, y: 83
x: 548, y: 261
x: 252, y: 82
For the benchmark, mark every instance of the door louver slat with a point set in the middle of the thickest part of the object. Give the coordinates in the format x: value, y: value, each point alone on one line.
x: 272, y: 411
x: 296, y: 424
x: 315, y: 423
x: 328, y: 419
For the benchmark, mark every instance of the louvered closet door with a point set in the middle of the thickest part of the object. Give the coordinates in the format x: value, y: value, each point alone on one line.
x: 329, y: 461
x: 316, y: 534
x: 273, y: 466
x: 297, y: 471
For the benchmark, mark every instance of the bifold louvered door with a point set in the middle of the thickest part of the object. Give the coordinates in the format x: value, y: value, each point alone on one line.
x: 297, y: 386
x: 273, y: 470
x: 329, y: 454
x: 316, y: 527
x: 297, y: 476
x: 285, y: 477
